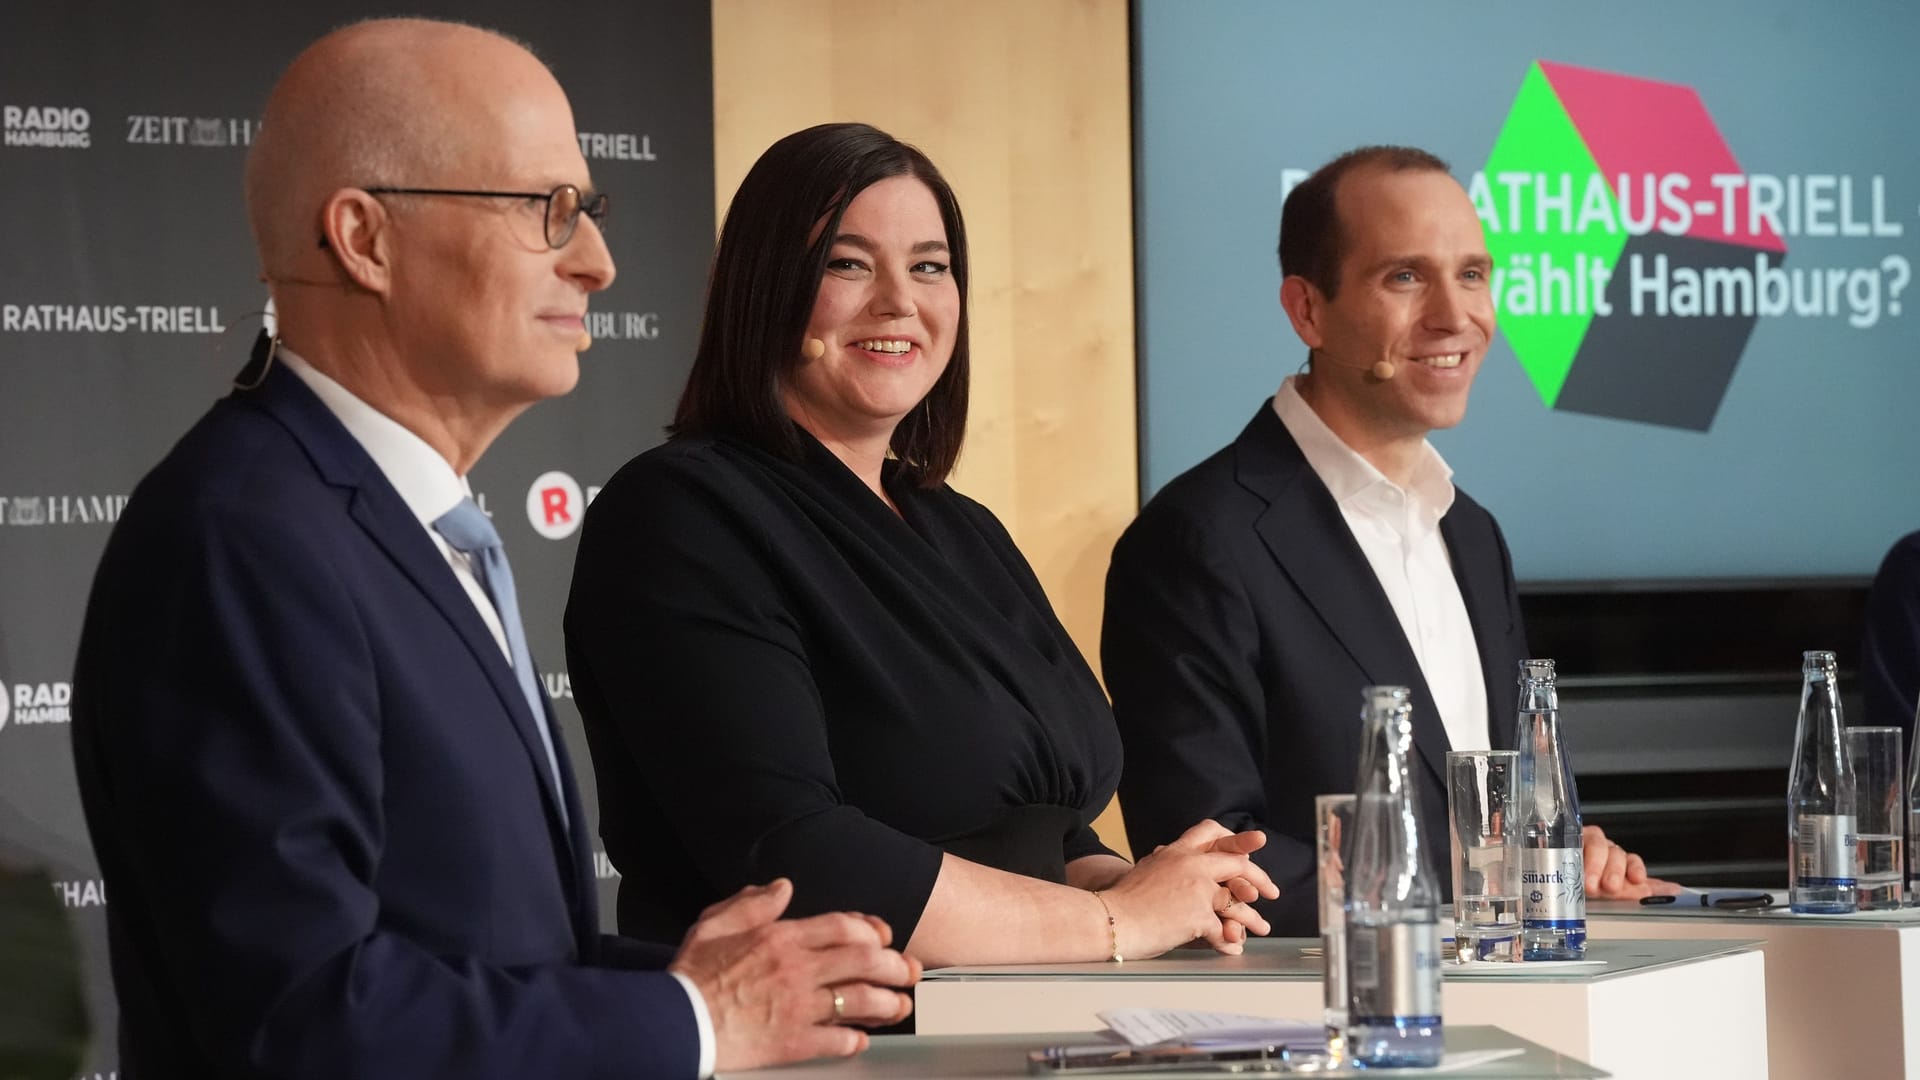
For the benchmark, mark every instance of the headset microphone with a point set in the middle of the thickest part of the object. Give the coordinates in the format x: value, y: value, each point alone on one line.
x: 1381, y: 370
x: 813, y: 348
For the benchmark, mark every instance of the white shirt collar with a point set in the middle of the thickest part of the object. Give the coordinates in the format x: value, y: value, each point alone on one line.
x: 424, y: 479
x: 1350, y: 477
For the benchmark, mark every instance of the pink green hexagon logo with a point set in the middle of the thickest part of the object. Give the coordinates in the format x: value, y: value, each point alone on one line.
x: 1622, y: 233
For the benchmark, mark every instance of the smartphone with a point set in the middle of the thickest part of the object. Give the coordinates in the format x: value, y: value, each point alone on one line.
x: 1261, y: 1057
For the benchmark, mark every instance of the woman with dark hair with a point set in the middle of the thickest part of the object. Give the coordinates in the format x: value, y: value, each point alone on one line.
x: 800, y: 653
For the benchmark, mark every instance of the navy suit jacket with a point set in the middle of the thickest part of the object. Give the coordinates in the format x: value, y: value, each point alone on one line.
x: 1890, y: 649
x: 317, y: 795
x: 1242, y: 621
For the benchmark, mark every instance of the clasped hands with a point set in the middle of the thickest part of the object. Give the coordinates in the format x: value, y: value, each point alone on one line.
x: 1200, y: 887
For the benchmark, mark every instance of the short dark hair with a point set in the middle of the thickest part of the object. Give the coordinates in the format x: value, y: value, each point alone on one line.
x: 1311, y: 244
x: 766, y: 272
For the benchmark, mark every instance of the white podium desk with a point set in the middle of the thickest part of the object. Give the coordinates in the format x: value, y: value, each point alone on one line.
x: 1645, y: 1013
x: 1843, y: 991
x: 897, y: 1057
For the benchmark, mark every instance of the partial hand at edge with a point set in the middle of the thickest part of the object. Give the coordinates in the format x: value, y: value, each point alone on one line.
x: 769, y: 985
x: 1614, y: 873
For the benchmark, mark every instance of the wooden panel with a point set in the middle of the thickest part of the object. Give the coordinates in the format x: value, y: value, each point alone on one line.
x: 1025, y: 106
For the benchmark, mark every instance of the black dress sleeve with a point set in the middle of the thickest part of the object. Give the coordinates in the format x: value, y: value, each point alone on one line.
x: 699, y: 667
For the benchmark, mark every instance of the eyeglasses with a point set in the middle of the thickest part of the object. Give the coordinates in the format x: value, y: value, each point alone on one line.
x: 565, y: 204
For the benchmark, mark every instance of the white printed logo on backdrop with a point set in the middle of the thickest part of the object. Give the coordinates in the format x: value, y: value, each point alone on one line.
x: 51, y: 127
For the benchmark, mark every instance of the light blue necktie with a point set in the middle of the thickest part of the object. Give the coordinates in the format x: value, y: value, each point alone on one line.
x: 466, y: 527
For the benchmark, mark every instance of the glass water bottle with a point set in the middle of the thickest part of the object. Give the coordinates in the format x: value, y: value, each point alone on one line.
x: 1820, y: 820
x: 1553, y: 873
x: 1393, y: 900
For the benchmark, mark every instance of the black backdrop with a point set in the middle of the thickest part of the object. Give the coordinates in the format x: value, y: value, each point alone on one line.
x: 129, y: 296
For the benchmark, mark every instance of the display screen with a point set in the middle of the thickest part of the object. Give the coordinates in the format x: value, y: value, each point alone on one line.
x: 1704, y: 222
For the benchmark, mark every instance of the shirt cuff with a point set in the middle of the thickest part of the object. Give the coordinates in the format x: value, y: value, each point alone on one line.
x: 702, y: 1020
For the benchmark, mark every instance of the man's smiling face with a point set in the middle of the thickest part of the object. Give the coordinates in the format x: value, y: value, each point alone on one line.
x: 1414, y: 291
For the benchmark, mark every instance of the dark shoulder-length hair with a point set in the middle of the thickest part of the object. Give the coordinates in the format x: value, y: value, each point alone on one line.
x: 766, y: 272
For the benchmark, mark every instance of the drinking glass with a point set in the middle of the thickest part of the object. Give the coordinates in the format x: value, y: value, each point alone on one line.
x: 1333, y: 828
x: 1879, y: 818
x: 1482, y: 788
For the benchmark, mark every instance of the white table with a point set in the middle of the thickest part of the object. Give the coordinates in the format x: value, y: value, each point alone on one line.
x: 896, y: 1057
x: 1639, y: 1015
x: 1843, y: 991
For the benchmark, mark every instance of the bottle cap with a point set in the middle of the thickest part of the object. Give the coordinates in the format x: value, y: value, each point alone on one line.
x: 1391, y: 705
x: 1536, y: 671
x: 1385, y: 697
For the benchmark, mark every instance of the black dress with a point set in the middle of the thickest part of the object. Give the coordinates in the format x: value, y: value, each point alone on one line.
x: 780, y: 676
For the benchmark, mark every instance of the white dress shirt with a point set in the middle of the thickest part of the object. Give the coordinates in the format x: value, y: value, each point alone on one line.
x: 429, y: 486
x: 425, y: 480
x: 1399, y: 532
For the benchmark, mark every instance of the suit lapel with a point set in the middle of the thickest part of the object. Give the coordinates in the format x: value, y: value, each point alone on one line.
x: 378, y: 509
x: 1304, y: 530
x: 1484, y: 590
x: 389, y: 523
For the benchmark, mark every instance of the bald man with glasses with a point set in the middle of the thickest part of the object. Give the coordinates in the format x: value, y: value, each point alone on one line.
x: 342, y: 835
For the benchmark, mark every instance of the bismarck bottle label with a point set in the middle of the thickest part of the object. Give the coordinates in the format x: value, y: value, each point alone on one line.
x: 1553, y: 888
x: 1823, y: 850
x: 1393, y: 973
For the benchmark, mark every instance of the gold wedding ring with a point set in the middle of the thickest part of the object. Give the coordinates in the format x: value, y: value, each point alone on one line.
x: 839, y: 1005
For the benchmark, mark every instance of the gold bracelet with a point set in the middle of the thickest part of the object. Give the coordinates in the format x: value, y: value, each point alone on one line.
x: 1113, y: 930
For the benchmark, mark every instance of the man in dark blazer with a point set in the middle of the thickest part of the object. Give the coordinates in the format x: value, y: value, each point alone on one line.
x: 1249, y: 603
x: 1890, y: 646
x: 342, y: 836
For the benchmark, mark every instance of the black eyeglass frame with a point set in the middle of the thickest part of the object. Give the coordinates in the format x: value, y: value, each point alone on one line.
x: 592, y: 204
